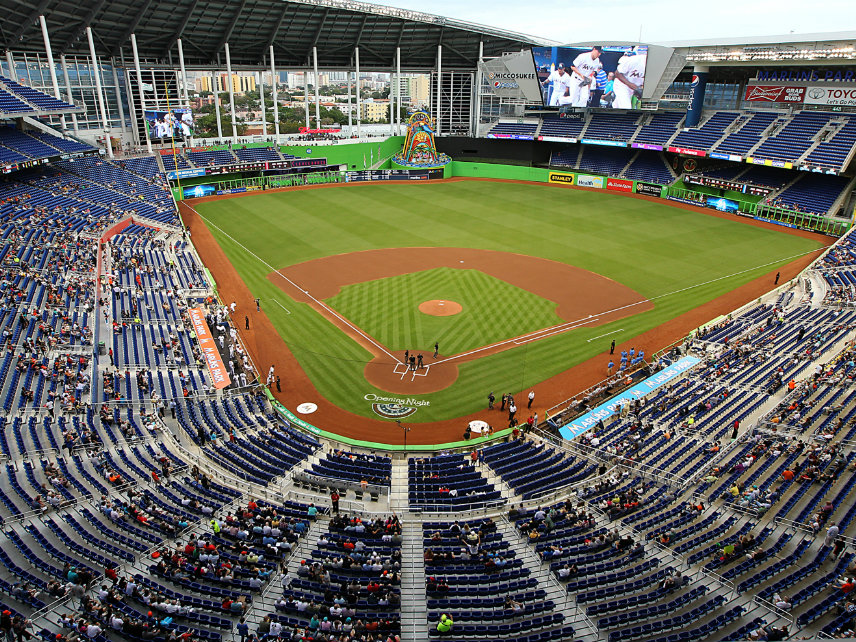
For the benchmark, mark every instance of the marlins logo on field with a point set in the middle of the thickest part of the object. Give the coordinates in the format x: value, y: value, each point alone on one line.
x: 393, y: 410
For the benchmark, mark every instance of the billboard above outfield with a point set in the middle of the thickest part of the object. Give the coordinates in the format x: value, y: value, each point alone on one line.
x: 596, y: 76
x: 512, y: 76
x: 168, y: 124
x: 520, y: 76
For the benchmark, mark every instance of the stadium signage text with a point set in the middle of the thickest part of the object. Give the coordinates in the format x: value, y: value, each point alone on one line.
x: 769, y: 163
x: 806, y: 75
x: 584, y: 180
x: 651, y: 189
x: 831, y: 96
x: 687, y: 152
x: 619, y: 184
x: 604, y: 143
x: 591, y: 419
x: 566, y: 179
x: 509, y: 76
x: 410, y: 401
x: 512, y: 136
x: 775, y: 93
x: 737, y: 158
x: 210, y: 353
x: 656, y: 148
x: 557, y: 139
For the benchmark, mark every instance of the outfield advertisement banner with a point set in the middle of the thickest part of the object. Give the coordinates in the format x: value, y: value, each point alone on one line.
x: 770, y: 163
x: 687, y: 152
x: 737, y: 158
x: 656, y: 148
x: 619, y: 184
x: 558, y: 177
x: 584, y: 180
x: 557, y: 139
x: 603, y: 143
x: 589, y: 420
x: 185, y: 173
x: 651, y: 189
x: 210, y: 353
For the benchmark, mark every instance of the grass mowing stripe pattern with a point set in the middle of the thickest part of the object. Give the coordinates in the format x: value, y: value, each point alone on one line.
x: 649, y: 246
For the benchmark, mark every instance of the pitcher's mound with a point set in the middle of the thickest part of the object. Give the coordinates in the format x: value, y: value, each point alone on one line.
x: 437, y: 308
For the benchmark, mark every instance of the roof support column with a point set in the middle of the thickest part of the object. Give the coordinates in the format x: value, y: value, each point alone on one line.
x: 317, y: 89
x: 398, y: 91
x: 13, y: 73
x: 100, y: 89
x: 261, y: 76
x: 184, y: 81
x: 392, y: 100
x: 140, y: 90
x: 273, y: 95
x: 357, y: 78
x: 306, y: 96
x: 439, y: 85
x: 118, y: 95
x: 51, y: 66
x: 68, y: 95
x: 217, y: 106
x: 474, y: 125
x: 350, y: 108
x: 231, y: 93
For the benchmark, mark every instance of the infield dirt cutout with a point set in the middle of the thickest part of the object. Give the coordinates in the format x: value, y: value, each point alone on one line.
x: 583, y: 299
x: 437, y: 308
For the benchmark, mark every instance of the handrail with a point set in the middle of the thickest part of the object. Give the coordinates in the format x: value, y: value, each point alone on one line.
x: 616, y: 378
x: 775, y: 609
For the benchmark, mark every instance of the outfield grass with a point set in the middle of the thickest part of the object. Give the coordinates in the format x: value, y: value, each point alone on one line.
x: 676, y: 257
x: 493, y: 310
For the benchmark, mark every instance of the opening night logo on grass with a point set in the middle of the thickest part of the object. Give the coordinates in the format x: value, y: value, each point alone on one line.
x: 395, y: 407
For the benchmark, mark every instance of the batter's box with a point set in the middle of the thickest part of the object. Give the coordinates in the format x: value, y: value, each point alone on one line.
x: 402, y: 369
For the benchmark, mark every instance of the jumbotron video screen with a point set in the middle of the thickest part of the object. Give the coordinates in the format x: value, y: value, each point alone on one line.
x: 607, y: 77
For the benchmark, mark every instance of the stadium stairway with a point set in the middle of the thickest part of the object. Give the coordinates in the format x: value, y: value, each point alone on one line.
x: 414, y: 600
x: 398, y: 498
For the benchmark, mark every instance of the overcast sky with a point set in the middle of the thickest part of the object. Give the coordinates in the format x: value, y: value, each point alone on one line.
x: 661, y: 20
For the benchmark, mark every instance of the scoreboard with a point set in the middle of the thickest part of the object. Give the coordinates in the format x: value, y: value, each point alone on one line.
x: 257, y: 166
x: 394, y: 175
x: 719, y: 183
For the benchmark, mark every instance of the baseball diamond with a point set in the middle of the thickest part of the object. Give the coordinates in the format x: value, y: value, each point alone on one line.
x: 636, y: 262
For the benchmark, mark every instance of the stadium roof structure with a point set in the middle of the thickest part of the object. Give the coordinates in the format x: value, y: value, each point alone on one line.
x: 292, y: 27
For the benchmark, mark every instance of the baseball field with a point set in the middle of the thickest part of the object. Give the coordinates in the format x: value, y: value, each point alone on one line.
x: 515, y: 283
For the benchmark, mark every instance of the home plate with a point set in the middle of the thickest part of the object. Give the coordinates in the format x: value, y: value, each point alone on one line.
x: 307, y: 408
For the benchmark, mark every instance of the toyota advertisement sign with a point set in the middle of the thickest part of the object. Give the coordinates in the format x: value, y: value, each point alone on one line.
x: 841, y: 96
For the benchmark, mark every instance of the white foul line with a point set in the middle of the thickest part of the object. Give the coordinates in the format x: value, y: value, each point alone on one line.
x: 601, y: 336
x: 287, y: 311
x: 273, y: 269
x: 570, y: 325
x: 534, y: 336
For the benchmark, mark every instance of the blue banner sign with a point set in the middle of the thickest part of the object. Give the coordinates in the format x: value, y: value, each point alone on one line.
x: 605, y: 143
x: 584, y: 422
x: 185, y: 173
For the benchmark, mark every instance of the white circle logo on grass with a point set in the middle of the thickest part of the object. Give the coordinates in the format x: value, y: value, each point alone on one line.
x: 307, y: 408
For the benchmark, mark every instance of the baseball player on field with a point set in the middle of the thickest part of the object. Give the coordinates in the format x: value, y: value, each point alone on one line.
x: 585, y: 69
x: 629, y: 78
x: 560, y: 85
